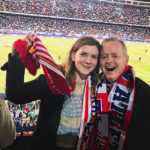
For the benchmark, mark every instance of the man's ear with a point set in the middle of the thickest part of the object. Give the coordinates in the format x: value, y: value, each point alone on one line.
x: 127, y: 59
x: 73, y: 56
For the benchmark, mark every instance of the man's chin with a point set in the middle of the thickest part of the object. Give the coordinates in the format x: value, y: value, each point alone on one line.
x: 110, y: 80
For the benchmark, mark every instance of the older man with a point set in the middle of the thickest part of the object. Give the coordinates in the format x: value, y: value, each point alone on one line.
x: 127, y: 125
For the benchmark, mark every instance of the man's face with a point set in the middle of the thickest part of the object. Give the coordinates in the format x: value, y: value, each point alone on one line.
x: 112, y: 60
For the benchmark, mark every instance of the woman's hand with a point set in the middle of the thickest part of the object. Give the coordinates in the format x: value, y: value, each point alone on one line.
x: 29, y: 39
x: 14, y: 52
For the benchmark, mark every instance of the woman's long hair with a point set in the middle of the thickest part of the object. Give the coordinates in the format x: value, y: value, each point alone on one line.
x: 69, y: 65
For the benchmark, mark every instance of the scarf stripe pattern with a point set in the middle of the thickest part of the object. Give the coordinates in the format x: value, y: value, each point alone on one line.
x: 90, y: 109
x: 38, y: 55
x: 87, y: 119
x: 112, y: 127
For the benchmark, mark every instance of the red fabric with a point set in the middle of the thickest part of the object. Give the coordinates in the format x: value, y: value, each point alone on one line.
x: 30, y: 63
x: 57, y: 83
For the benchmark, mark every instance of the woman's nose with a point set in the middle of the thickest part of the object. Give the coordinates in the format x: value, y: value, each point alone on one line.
x: 88, y: 60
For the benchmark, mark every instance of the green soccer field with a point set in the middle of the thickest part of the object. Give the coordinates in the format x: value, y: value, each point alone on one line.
x: 58, y: 47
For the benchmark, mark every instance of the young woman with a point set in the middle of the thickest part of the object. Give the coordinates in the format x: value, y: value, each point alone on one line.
x: 59, y: 124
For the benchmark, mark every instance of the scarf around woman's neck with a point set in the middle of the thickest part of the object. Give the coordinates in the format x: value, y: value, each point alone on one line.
x: 112, y: 127
x: 38, y: 55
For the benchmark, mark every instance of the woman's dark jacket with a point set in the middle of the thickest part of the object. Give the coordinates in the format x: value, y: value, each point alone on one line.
x: 138, y: 135
x: 50, y: 106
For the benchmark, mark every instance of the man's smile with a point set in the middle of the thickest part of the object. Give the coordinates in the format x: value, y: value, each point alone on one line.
x: 110, y: 68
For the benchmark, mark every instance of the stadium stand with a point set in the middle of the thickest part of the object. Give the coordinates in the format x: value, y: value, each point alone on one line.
x: 19, y: 23
x: 102, y: 11
x: 126, y: 19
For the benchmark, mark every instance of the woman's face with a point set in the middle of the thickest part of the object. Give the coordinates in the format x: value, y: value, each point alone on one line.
x: 85, y: 59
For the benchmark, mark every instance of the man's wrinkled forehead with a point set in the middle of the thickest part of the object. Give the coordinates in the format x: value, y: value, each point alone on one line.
x: 114, y: 45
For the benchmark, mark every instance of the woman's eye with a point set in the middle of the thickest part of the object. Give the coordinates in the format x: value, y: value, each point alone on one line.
x: 95, y: 57
x: 83, y: 54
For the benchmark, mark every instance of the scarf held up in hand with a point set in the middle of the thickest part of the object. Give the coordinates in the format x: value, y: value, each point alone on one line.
x: 38, y: 55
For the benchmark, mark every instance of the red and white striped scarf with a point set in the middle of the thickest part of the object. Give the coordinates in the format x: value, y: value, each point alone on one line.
x: 112, y: 127
x: 38, y: 55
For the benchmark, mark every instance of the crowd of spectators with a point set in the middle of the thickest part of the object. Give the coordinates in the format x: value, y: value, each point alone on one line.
x: 81, y: 9
x: 19, y: 23
x: 76, y: 17
x: 24, y: 116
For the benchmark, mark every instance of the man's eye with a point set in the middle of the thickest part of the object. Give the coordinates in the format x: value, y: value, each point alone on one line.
x: 104, y: 57
x: 115, y: 56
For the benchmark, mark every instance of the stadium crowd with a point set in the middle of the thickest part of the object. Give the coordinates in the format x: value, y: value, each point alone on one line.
x: 45, y: 25
x: 24, y: 116
x: 75, y: 17
x: 86, y: 9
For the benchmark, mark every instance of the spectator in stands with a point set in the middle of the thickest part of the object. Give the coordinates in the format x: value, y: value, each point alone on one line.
x: 7, y: 128
x: 24, y: 127
x: 58, y: 123
x: 31, y: 115
x: 128, y: 125
x: 20, y: 115
x: 19, y: 126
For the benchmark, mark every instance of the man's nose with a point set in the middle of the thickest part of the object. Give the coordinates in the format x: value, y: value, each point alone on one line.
x: 109, y: 59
